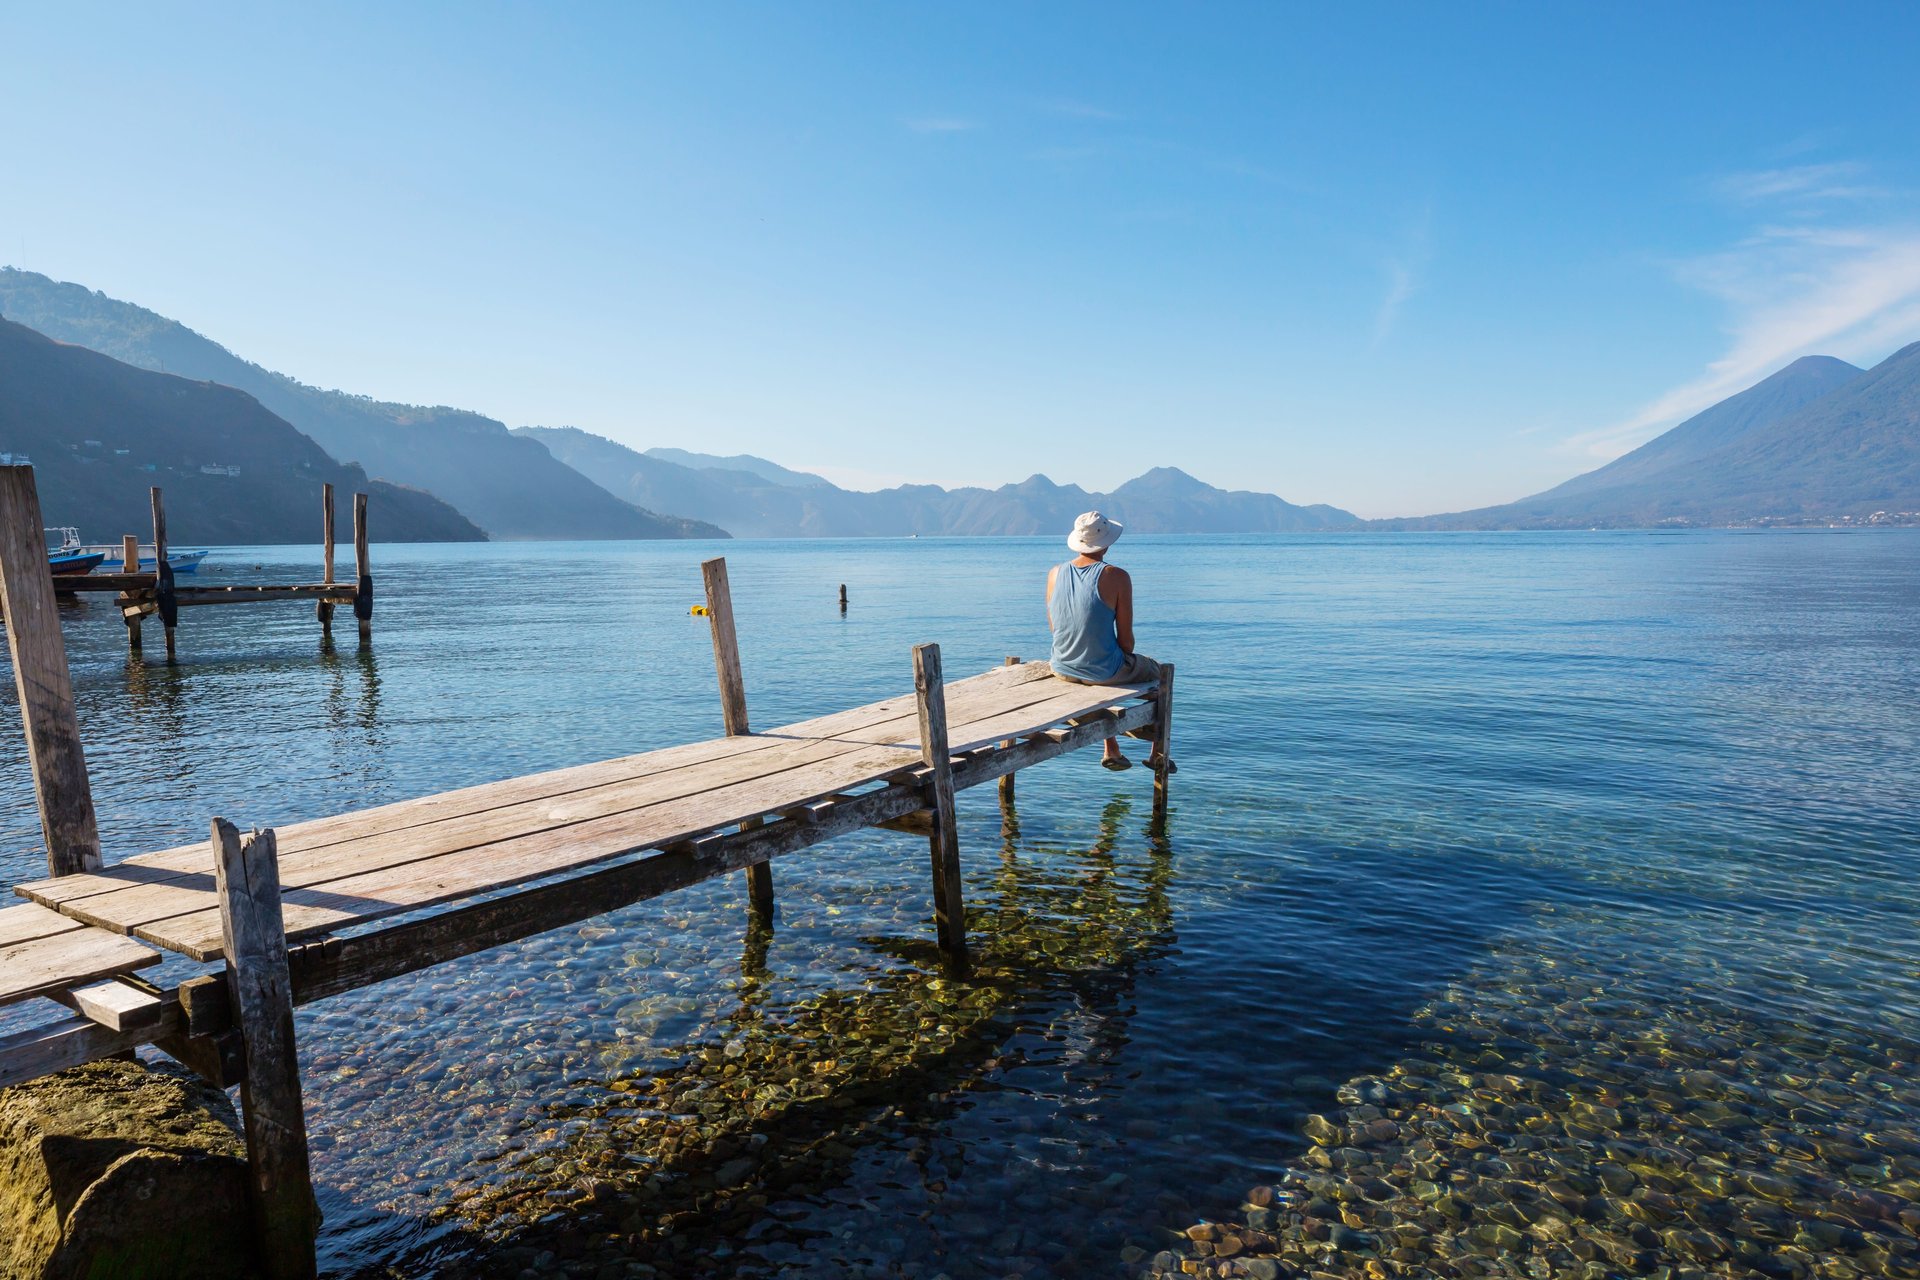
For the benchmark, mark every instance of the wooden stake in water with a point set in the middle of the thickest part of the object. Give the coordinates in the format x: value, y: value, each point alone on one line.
x: 1162, y: 741
x: 323, y: 610
x: 46, y: 687
x: 286, y: 1218
x: 1006, y: 783
x: 363, y: 570
x: 733, y: 709
x: 163, y: 596
x: 130, y: 563
x: 949, y: 910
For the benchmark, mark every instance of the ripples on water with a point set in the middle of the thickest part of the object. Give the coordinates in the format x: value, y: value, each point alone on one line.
x: 1559, y: 854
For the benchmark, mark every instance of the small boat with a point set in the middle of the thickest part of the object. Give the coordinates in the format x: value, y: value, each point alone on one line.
x: 70, y: 544
x: 74, y: 563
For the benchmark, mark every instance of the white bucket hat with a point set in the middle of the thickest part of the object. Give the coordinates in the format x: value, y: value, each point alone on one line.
x: 1093, y: 532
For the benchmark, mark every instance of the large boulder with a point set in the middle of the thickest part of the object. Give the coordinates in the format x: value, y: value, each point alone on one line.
x: 117, y: 1170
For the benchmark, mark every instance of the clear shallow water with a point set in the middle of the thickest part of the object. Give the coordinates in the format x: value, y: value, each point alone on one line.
x: 1630, y: 818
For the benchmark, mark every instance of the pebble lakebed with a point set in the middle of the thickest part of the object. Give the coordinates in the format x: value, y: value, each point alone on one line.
x: 1545, y: 912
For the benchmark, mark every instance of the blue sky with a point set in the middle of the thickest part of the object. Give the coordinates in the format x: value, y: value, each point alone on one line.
x: 1403, y: 258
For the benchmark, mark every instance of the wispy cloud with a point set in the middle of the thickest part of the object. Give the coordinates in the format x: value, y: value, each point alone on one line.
x: 1836, y: 181
x: 1403, y: 269
x: 1791, y: 291
x: 940, y: 124
x: 1078, y: 110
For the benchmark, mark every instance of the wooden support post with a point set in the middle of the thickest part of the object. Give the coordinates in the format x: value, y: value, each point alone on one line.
x: 163, y: 596
x: 363, y: 569
x: 949, y: 911
x: 1006, y: 782
x: 286, y: 1217
x: 843, y: 597
x: 130, y: 563
x: 733, y: 708
x: 46, y: 688
x: 323, y: 609
x: 1162, y: 741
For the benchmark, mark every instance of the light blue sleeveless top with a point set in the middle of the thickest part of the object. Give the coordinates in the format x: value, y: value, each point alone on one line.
x: 1084, y: 644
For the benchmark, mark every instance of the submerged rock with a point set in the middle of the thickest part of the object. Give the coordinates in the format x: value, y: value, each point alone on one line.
x: 117, y: 1170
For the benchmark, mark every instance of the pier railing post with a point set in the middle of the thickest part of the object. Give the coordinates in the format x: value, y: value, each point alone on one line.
x: 949, y: 910
x: 286, y: 1217
x: 323, y: 610
x: 1162, y: 741
x: 733, y: 706
x: 45, y: 685
x: 164, y: 599
x: 363, y: 570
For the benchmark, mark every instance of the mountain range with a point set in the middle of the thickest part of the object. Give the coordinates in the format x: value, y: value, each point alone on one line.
x: 99, y: 432
x: 508, y: 486
x: 1819, y: 440
x: 741, y: 495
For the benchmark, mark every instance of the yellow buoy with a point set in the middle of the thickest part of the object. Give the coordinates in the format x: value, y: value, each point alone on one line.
x: 698, y: 611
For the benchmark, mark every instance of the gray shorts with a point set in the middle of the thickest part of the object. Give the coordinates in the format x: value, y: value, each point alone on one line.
x: 1137, y: 669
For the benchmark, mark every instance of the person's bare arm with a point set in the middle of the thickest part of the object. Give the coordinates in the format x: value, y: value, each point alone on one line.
x: 1122, y: 603
x: 1050, y: 574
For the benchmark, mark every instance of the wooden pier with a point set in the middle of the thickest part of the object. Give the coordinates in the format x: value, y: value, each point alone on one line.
x: 141, y: 595
x: 311, y: 909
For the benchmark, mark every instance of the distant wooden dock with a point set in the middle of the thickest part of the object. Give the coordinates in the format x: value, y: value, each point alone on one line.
x: 141, y: 595
x: 292, y: 913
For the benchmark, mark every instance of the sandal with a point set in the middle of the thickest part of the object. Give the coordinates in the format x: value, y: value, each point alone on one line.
x: 1153, y: 762
x: 1115, y: 763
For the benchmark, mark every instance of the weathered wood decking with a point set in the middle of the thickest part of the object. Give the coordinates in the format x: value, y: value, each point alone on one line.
x: 305, y: 910
x: 340, y: 872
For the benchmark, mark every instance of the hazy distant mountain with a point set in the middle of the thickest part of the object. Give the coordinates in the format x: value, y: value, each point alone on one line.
x: 1818, y: 439
x: 1163, y: 500
x: 510, y: 487
x: 99, y: 432
x: 743, y: 462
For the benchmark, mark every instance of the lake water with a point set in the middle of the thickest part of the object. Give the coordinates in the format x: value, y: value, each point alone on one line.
x: 1567, y: 879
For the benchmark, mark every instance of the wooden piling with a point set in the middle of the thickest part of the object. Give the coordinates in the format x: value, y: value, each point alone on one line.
x: 323, y: 609
x: 130, y: 563
x: 1006, y: 783
x: 163, y: 593
x: 733, y: 708
x: 286, y: 1217
x: 363, y: 570
x: 949, y: 910
x: 843, y: 597
x: 46, y: 687
x: 1162, y: 741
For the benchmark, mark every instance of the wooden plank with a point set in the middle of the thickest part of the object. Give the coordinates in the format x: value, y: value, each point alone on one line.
x: 55, y: 1046
x: 30, y: 920
x: 943, y: 845
x: 189, y: 597
x: 41, y: 966
x: 1162, y: 741
x: 286, y: 1216
x: 118, y: 1005
x: 145, y: 899
x: 374, y: 957
x: 54, y: 754
x: 345, y: 964
x: 130, y: 553
x: 514, y: 860
x: 68, y: 582
x: 888, y: 720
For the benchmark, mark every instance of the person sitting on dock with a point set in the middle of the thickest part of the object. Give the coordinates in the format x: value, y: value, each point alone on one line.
x: 1090, y: 612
